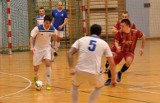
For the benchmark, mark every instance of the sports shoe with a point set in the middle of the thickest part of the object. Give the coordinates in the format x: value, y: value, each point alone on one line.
x: 55, y: 54
x: 48, y: 87
x: 119, y: 74
x: 106, y: 71
x: 35, y: 78
x: 107, y: 82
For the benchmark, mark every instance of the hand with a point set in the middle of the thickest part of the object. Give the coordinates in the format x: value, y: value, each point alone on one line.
x: 32, y: 50
x: 141, y: 51
x: 72, y: 71
x: 55, y: 48
x: 113, y: 84
x: 60, y: 27
x: 118, y: 48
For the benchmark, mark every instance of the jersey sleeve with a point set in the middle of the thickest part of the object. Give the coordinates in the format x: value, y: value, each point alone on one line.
x: 34, y: 32
x: 133, y: 26
x: 117, y: 36
x: 76, y: 44
x: 53, y: 13
x: 65, y: 14
x: 117, y: 25
x: 139, y: 34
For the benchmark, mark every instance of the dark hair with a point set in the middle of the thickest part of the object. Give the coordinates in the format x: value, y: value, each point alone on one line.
x: 48, y: 18
x: 41, y: 8
x: 95, y: 29
x: 126, y: 21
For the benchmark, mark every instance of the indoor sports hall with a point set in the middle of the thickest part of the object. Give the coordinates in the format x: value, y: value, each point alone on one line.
x: 140, y: 83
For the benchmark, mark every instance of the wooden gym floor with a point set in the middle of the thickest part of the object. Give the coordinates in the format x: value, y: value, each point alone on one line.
x: 140, y: 84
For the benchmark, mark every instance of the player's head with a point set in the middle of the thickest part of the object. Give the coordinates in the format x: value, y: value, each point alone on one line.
x: 95, y: 29
x: 41, y: 11
x: 47, y: 21
x: 125, y: 15
x: 60, y: 5
x: 125, y: 24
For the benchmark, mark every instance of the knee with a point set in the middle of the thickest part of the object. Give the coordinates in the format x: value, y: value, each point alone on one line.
x: 36, y: 68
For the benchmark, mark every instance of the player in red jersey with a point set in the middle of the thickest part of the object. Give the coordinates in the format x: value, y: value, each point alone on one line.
x: 116, y: 27
x: 124, y: 45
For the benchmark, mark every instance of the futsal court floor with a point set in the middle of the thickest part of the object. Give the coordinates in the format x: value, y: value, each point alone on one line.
x: 140, y: 84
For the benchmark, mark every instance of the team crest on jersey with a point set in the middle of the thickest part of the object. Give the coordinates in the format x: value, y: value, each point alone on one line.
x: 56, y: 13
x: 61, y: 14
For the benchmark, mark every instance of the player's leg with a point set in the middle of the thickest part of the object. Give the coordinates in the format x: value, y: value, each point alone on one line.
x: 37, y: 60
x: 77, y: 80
x: 36, y: 68
x: 108, y: 81
x: 129, y: 59
x: 94, y: 95
x: 106, y: 65
x: 74, y: 93
x: 117, y: 59
x: 59, y: 37
x: 58, y: 41
x: 47, y: 58
x: 96, y: 81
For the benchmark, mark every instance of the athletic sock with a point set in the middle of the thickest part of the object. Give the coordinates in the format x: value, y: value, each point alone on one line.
x: 48, y: 75
x: 124, y: 68
x: 94, y: 95
x: 74, y: 94
x: 109, y: 74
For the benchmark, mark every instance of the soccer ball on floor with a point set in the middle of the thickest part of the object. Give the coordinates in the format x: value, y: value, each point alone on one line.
x: 38, y: 85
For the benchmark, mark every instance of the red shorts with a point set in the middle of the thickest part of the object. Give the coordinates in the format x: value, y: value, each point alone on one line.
x: 118, y: 56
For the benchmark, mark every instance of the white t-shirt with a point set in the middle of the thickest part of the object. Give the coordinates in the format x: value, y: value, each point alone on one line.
x: 42, y: 37
x: 91, y: 49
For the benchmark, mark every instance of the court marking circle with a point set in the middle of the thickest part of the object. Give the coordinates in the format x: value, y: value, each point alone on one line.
x: 11, y: 94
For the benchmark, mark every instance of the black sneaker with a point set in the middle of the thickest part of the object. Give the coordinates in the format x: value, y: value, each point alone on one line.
x: 119, y: 74
x: 55, y: 54
x: 107, y: 82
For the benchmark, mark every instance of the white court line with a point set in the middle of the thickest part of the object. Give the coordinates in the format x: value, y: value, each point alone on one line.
x: 144, y: 91
x: 30, y: 83
x: 145, y: 87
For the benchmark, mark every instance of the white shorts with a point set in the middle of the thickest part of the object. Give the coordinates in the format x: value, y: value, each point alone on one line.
x: 59, y: 33
x: 39, y: 56
x: 80, y: 77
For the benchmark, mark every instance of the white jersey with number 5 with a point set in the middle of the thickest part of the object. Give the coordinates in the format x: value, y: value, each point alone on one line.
x: 91, y: 49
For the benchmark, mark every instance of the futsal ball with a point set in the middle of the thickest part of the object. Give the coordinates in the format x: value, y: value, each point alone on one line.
x: 38, y: 85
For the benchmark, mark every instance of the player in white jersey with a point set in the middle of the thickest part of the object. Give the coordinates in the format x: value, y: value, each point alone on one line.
x: 40, y: 17
x: 40, y: 38
x: 88, y: 69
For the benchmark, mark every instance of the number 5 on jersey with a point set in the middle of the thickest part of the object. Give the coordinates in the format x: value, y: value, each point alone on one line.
x: 92, y: 45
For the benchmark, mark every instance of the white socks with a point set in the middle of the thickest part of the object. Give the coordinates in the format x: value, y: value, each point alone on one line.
x: 48, y: 75
x: 94, y: 95
x: 58, y: 44
x: 74, y: 94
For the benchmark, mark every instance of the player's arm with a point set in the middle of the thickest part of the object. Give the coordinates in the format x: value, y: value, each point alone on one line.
x: 118, y: 47
x: 33, y: 34
x: 64, y: 23
x: 70, y: 53
x: 142, y: 44
x: 114, y: 30
x: 116, y: 27
x: 113, y: 71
